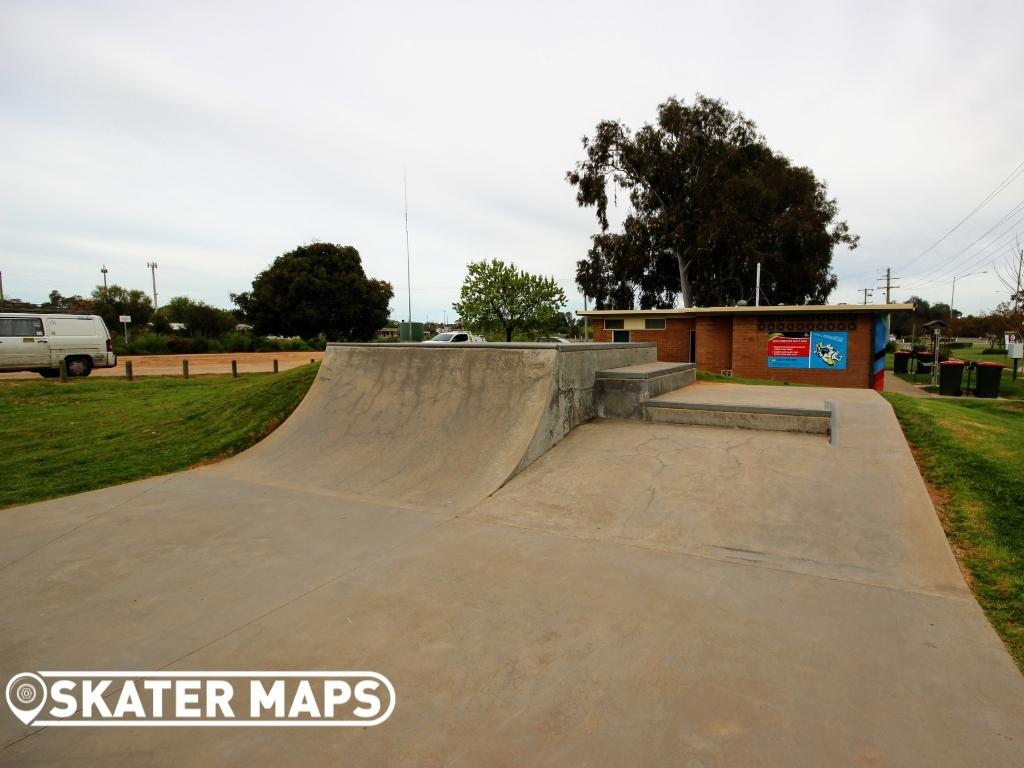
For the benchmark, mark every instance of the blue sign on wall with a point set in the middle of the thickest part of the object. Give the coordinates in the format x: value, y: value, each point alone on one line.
x: 828, y: 350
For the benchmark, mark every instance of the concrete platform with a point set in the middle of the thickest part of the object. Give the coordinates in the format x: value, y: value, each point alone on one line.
x: 620, y: 393
x: 742, y: 406
x: 640, y: 594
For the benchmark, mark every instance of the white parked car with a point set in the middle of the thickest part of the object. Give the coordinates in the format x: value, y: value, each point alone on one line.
x: 36, y: 342
x: 452, y: 337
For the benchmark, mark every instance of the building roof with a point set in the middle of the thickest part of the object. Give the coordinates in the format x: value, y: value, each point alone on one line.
x: 750, y: 310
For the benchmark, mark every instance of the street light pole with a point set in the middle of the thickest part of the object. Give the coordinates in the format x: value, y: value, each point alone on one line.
x: 953, y: 294
x: 104, y: 270
x: 152, y: 268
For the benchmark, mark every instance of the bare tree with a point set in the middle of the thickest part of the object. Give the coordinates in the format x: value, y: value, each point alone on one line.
x: 1011, y: 275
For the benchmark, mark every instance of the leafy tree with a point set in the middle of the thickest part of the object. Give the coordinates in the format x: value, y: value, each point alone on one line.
x: 71, y: 304
x: 317, y: 289
x: 17, y: 305
x: 904, y: 324
x: 709, y: 199
x: 499, y: 295
x: 112, y: 302
x: 565, y: 324
x: 198, y: 317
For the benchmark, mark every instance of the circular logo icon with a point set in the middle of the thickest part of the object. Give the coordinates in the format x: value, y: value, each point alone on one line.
x: 26, y: 695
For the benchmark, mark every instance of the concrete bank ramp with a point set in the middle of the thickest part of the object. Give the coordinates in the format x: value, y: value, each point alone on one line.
x: 430, y: 426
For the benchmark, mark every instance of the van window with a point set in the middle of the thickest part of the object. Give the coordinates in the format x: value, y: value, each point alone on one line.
x: 21, y: 326
x: 72, y: 326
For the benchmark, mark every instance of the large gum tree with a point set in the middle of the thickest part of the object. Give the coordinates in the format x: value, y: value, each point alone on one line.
x: 708, y: 199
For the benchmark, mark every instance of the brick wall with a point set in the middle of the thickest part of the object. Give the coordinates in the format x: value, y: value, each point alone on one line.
x: 673, y: 342
x: 714, y: 343
x: 734, y: 343
x: 750, y: 357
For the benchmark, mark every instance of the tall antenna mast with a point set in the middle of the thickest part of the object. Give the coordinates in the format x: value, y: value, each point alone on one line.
x: 408, y: 259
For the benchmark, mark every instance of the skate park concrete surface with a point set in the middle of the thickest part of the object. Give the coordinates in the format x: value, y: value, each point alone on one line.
x: 541, y: 589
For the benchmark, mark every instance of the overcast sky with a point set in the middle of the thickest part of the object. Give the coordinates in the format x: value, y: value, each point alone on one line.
x: 210, y: 137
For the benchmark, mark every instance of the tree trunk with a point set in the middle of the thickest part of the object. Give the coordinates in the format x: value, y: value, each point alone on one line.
x: 685, y: 292
x: 508, y: 333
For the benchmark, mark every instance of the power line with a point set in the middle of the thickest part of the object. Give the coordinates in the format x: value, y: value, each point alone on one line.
x: 974, y: 260
x: 1013, y: 175
x: 947, y: 262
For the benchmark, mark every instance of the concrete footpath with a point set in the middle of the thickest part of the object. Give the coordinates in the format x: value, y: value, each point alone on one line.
x: 895, y: 384
x: 641, y: 594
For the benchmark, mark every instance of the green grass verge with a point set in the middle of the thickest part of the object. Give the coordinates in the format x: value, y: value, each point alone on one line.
x: 705, y: 376
x: 972, y: 453
x: 66, y: 438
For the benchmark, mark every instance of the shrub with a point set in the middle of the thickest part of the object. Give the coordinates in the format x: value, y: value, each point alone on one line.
x: 180, y: 345
x: 238, y: 342
x: 148, y: 344
x: 993, y: 351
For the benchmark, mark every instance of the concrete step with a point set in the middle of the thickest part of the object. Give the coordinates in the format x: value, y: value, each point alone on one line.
x: 741, y: 416
x: 619, y: 393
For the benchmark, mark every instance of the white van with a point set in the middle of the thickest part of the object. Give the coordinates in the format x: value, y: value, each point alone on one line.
x: 30, y: 342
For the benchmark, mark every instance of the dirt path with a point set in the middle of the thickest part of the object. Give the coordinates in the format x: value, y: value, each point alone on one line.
x: 170, y: 365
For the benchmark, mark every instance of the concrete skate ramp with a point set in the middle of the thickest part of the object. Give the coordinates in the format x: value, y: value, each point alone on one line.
x: 431, y: 427
x: 641, y: 595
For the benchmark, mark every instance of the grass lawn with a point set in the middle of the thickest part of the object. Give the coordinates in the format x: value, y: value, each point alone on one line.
x: 972, y: 452
x: 705, y: 376
x: 90, y: 433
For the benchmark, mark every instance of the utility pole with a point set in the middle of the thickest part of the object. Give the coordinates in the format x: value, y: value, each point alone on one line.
x: 867, y: 293
x: 1, y: 287
x: 952, y: 295
x: 888, y: 294
x: 152, y: 268
x: 104, y: 270
x: 408, y: 258
x: 889, y: 285
x: 757, y: 286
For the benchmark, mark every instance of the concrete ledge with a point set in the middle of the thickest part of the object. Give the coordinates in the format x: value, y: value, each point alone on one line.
x: 766, y: 409
x: 739, y: 419
x: 645, y: 370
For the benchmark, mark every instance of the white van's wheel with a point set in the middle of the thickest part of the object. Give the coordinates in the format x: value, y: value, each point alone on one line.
x: 79, y: 366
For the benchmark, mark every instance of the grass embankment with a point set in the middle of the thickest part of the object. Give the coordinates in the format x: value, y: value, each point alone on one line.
x: 65, y: 438
x: 971, y: 451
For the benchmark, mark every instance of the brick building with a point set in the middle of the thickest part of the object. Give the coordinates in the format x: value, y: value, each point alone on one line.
x: 836, y: 345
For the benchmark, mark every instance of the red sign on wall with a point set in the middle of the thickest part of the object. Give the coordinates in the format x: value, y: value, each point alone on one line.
x: 789, y: 346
